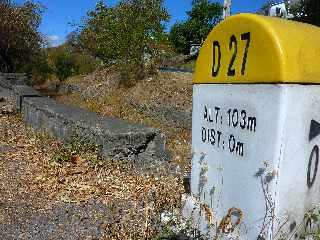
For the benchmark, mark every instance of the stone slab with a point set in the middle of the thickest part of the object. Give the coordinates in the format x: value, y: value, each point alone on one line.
x: 24, y: 91
x: 116, y: 138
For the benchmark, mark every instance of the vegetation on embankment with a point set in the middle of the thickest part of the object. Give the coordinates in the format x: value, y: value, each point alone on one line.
x: 162, y: 101
x: 129, y: 35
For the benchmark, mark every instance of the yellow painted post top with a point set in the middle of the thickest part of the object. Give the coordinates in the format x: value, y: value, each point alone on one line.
x: 248, y: 48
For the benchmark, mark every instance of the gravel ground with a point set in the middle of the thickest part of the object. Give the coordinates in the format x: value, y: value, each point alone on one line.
x: 77, y: 199
x: 25, y: 210
x: 63, y: 221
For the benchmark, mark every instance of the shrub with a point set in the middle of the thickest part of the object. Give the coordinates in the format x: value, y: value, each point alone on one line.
x: 127, y: 35
x: 203, y: 16
x: 20, y: 41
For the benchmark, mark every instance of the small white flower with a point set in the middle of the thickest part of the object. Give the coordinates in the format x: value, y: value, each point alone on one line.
x: 166, y: 217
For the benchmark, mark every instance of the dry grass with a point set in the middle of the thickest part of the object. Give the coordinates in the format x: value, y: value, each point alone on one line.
x: 165, y: 89
x: 30, y: 172
x: 136, y: 198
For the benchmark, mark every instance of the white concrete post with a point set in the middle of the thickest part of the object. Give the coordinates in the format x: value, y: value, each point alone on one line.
x: 256, y: 130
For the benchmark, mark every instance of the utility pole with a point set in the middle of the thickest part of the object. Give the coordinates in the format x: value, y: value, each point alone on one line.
x: 226, y: 9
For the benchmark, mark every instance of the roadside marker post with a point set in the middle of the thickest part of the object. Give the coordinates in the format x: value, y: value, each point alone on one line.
x: 256, y: 129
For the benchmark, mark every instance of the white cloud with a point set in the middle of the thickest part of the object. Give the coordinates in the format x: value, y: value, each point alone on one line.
x: 53, y: 40
x: 53, y: 37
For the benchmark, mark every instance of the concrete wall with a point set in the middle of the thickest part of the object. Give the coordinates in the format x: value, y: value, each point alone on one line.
x: 115, y: 138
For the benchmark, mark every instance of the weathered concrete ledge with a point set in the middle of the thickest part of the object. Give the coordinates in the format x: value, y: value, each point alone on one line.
x: 115, y: 138
x: 23, y: 91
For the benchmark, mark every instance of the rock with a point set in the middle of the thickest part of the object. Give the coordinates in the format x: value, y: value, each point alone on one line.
x: 68, y: 88
x: 5, y: 148
x: 96, y: 91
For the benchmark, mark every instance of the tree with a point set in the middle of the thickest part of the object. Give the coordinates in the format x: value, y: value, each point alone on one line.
x: 307, y: 11
x: 20, y: 40
x: 40, y: 70
x: 181, y: 37
x: 264, y: 10
x: 203, y: 16
x: 125, y: 34
x: 64, y: 65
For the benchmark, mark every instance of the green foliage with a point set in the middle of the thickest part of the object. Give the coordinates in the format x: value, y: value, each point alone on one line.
x: 307, y: 11
x: 20, y: 40
x: 165, y: 234
x: 312, y: 224
x: 180, y: 37
x: 126, y: 35
x: 77, y: 146
x: 22, y: 47
x: 168, y: 234
x: 40, y: 70
x: 64, y: 64
x: 203, y: 16
x: 264, y: 10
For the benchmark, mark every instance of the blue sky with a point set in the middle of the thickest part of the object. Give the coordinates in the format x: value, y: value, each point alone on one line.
x: 60, y: 13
